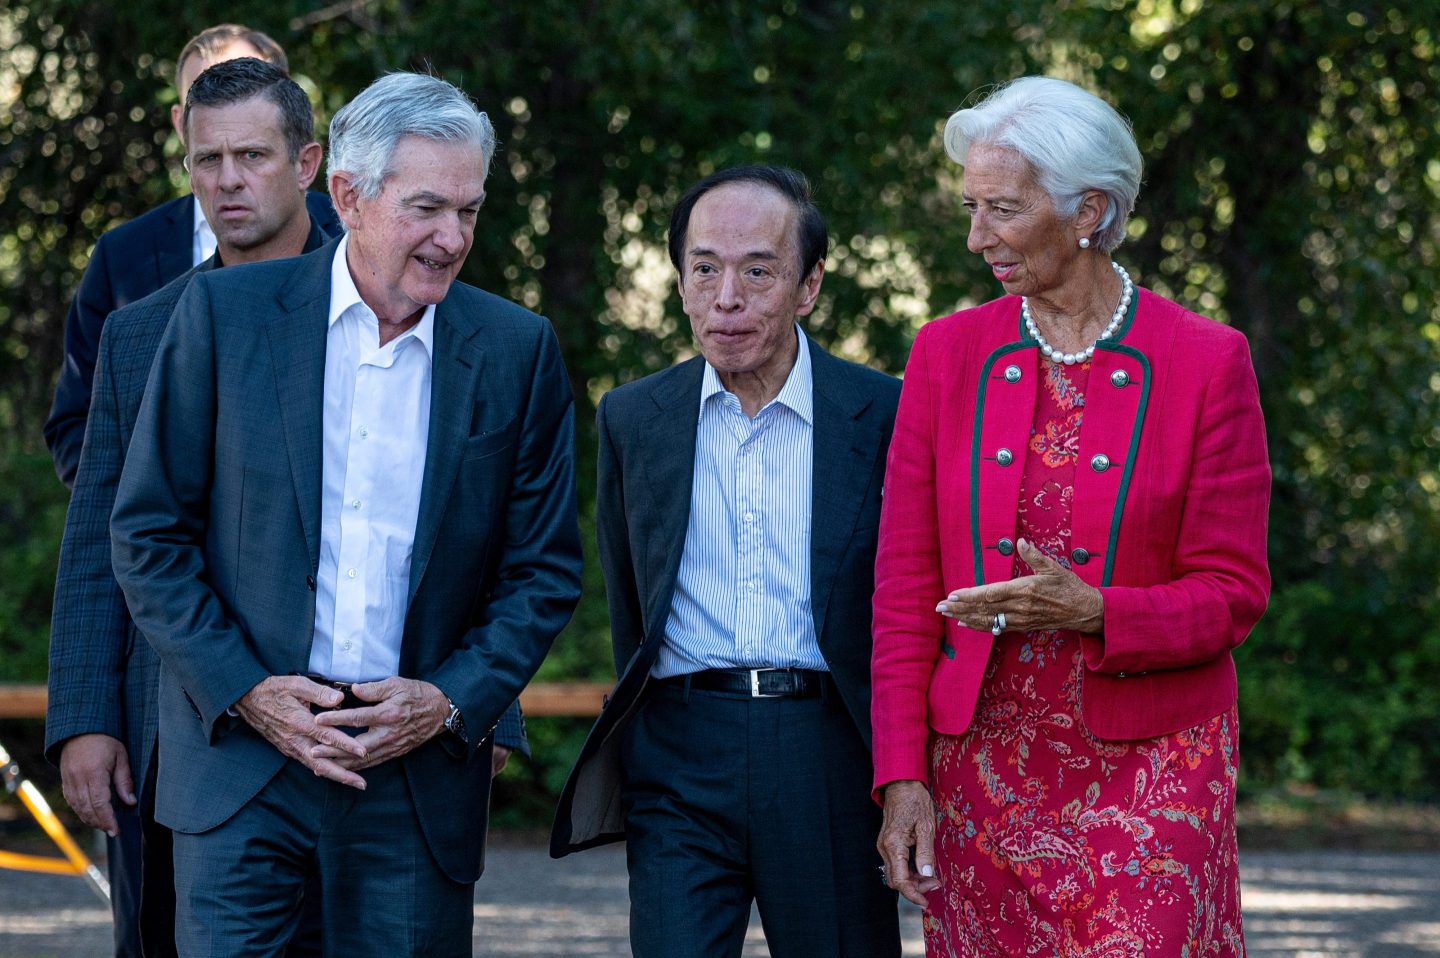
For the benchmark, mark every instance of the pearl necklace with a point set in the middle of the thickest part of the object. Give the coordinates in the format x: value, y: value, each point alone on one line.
x: 1070, y: 359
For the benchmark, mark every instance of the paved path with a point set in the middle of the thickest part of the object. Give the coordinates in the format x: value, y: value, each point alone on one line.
x: 1297, y: 905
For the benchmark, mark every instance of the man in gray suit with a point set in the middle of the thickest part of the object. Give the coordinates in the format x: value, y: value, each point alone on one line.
x: 347, y: 525
x: 252, y: 155
x: 738, y: 504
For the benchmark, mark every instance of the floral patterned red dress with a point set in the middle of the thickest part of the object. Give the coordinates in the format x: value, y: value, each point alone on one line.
x: 1051, y: 842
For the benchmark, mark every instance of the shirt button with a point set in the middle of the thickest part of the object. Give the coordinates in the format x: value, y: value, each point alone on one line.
x: 1119, y: 378
x: 1100, y: 462
x: 355, y: 504
x: 350, y: 573
x: 1012, y: 374
x: 345, y: 645
x: 1004, y: 456
x: 749, y: 517
x: 1080, y: 556
x: 364, y: 432
x: 1005, y: 546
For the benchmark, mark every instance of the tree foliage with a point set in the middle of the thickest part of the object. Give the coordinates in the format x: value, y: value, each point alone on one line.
x: 1291, y: 190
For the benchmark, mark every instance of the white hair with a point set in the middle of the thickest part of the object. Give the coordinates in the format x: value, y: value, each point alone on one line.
x: 1075, y: 141
x: 363, y: 134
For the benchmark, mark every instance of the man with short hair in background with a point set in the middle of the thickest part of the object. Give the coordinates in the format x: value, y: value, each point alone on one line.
x: 252, y: 155
x: 136, y: 258
x: 347, y: 525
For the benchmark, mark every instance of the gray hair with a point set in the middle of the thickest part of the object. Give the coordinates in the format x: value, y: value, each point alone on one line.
x: 364, y: 132
x: 1075, y: 141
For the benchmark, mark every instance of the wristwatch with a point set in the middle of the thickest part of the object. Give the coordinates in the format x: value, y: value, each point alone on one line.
x: 455, y: 722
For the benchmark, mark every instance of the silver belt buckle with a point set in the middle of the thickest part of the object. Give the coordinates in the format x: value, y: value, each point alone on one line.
x: 755, y: 692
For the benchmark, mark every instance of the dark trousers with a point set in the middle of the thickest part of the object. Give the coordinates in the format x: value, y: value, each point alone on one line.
x: 730, y: 799
x: 241, y: 886
x: 142, y: 890
x: 142, y: 886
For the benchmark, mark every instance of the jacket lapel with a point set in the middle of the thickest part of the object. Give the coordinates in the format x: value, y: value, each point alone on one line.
x: 174, y: 246
x: 665, y: 487
x: 1004, y: 408
x: 845, y: 444
x: 297, y: 351
x: 455, y: 370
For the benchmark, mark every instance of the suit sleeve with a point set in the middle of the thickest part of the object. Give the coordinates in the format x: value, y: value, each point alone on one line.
x: 159, y: 525
x: 510, y: 730
x: 89, y: 626
x: 65, y: 426
x: 908, y: 583
x: 1219, y: 580
x: 537, y: 579
x: 627, y: 626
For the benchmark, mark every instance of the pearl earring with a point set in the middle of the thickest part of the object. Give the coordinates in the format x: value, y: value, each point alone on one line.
x: 1084, y: 242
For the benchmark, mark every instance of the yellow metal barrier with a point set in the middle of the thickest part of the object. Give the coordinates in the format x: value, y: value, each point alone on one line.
x: 75, y: 862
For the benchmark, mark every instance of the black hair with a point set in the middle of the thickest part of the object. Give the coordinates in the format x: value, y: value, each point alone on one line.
x: 814, y: 238
x: 235, y: 81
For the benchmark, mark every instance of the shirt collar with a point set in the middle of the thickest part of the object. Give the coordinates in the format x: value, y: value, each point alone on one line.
x: 202, y: 236
x: 344, y: 294
x: 798, y: 393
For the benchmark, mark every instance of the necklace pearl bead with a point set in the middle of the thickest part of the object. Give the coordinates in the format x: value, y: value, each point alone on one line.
x: 1127, y: 290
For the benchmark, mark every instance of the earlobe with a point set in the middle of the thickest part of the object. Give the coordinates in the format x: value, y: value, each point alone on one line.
x: 1091, y: 212
x: 344, y: 197
x: 812, y: 288
x: 309, y: 163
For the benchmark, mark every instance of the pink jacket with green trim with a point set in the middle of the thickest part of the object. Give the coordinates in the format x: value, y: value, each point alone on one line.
x: 1172, y: 492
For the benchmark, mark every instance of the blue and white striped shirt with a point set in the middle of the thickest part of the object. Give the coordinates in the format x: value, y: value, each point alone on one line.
x: 742, y: 595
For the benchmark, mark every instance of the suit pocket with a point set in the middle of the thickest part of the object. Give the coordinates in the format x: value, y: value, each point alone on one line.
x: 487, y: 443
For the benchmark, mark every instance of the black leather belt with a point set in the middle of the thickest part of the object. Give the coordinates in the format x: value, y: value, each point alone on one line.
x: 756, y: 683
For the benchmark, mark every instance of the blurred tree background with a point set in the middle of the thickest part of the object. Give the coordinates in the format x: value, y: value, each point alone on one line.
x: 1292, y: 190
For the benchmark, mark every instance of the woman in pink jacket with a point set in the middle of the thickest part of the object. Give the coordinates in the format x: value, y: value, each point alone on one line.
x: 1072, y: 543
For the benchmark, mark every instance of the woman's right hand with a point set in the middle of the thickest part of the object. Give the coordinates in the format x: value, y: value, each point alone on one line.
x: 909, y: 823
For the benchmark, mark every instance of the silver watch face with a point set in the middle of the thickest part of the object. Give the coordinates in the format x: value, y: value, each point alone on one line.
x: 455, y: 724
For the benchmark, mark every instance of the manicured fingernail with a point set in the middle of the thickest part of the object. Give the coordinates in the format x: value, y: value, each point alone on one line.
x: 928, y: 871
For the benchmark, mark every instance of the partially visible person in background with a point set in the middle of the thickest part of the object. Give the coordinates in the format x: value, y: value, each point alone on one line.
x: 252, y: 155
x: 1072, y: 543
x: 136, y: 258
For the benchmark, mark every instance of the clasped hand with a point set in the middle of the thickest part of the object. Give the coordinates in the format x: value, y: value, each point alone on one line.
x: 404, y: 713
x: 1052, y: 598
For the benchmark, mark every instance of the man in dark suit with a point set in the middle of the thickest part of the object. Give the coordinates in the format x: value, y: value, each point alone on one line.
x: 135, y: 259
x: 739, y: 496
x: 347, y: 525
x: 252, y: 155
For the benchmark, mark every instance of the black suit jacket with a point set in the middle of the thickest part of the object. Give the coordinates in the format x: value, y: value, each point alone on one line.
x: 129, y: 263
x: 216, y: 532
x: 646, y: 466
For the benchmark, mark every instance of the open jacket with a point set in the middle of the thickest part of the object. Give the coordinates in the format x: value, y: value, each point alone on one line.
x: 216, y: 532
x: 646, y: 470
x: 1172, y: 489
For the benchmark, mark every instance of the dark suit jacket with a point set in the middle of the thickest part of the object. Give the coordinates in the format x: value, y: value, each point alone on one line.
x: 647, y: 463
x: 129, y: 263
x: 103, y: 676
x: 216, y: 532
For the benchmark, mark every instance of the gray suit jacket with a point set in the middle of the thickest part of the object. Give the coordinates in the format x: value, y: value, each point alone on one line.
x: 646, y: 467
x: 216, y: 532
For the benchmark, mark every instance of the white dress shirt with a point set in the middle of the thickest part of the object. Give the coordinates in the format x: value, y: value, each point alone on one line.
x: 202, y: 242
x: 375, y: 433
x: 742, y: 594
